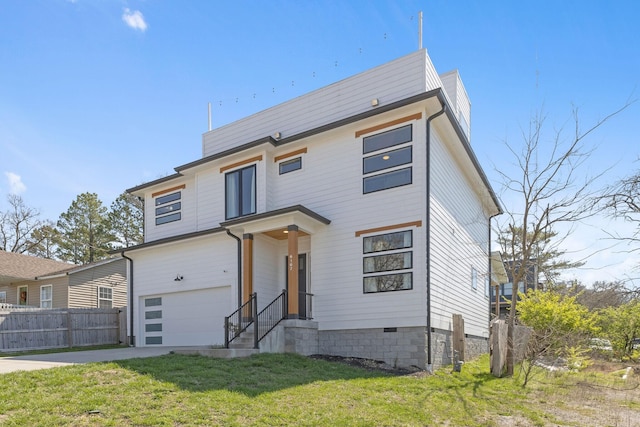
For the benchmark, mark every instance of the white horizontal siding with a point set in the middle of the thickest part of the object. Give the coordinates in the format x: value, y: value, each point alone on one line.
x: 409, y: 75
x: 459, y: 238
x: 186, y: 224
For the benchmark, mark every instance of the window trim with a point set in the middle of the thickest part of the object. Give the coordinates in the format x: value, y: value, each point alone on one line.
x: 100, y: 298
x: 26, y: 295
x: 168, y: 200
x: 288, y: 162
x: 50, y: 301
x: 401, y: 250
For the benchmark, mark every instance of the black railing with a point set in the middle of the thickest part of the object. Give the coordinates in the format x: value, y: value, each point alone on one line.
x: 238, y: 321
x: 270, y: 316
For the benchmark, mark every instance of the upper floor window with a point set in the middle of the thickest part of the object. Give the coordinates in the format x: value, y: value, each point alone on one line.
x: 240, y: 188
x: 168, y: 208
x: 290, y: 165
x: 46, y: 296
x: 3, y: 297
x: 387, y: 161
x: 390, y: 256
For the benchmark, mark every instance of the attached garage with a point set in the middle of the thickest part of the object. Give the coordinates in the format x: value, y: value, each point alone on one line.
x: 190, y: 318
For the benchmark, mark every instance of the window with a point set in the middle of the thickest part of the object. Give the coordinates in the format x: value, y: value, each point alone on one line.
x: 46, y: 296
x: 23, y: 295
x: 388, y: 160
x: 474, y: 278
x: 241, y: 192
x: 3, y: 297
x: 388, y: 256
x: 105, y: 297
x: 168, y: 208
x: 290, y: 165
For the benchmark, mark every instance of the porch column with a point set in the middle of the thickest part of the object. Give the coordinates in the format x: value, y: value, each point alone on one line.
x: 247, y: 267
x: 292, y: 272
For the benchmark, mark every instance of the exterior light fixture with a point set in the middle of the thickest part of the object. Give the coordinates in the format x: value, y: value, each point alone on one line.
x: 375, y: 102
x: 386, y: 157
x: 178, y: 278
x: 277, y: 135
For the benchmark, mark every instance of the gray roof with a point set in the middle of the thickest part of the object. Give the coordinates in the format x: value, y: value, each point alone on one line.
x: 15, y: 267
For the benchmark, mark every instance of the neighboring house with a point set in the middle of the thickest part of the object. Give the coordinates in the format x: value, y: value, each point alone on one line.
x: 326, y: 195
x: 505, y: 288
x: 36, y: 282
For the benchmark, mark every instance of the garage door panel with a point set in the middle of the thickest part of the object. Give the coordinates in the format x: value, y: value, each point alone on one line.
x: 186, y: 318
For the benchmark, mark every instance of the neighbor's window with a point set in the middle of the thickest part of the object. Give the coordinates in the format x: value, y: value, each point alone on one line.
x: 390, y: 256
x: 290, y: 165
x: 46, y: 296
x: 23, y: 296
x: 240, y: 192
x: 168, y: 208
x: 474, y: 278
x: 381, y: 159
x: 3, y: 297
x: 105, y: 297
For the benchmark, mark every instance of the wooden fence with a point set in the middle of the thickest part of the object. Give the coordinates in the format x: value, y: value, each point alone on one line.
x: 35, y: 328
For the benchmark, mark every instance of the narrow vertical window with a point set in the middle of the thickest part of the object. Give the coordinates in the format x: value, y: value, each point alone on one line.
x: 46, y: 296
x: 240, y: 187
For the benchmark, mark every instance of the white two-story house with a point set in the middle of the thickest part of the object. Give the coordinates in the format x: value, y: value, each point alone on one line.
x: 359, y: 208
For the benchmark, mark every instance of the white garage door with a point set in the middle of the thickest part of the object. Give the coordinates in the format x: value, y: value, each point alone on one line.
x: 185, y: 318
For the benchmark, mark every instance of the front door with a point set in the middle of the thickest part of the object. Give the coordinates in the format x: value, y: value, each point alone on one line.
x: 302, y: 283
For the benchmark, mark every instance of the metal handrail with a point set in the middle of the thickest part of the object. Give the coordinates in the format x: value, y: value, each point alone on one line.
x: 270, y: 316
x: 238, y: 321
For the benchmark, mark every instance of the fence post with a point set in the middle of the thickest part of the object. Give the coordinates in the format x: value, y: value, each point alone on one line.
x: 69, y: 329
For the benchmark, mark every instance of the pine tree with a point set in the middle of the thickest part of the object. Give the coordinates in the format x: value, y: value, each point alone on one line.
x: 125, y: 220
x: 84, y: 232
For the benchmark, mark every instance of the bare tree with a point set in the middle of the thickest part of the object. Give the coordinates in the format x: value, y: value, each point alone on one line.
x: 17, y: 224
x: 622, y: 200
x: 549, y: 191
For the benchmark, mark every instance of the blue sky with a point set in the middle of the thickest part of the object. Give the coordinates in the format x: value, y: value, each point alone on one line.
x: 102, y: 95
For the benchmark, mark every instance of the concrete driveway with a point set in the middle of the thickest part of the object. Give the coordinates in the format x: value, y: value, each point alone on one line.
x: 52, y: 360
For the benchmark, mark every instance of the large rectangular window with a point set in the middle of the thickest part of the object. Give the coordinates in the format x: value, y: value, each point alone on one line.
x: 387, y: 161
x: 168, y: 208
x: 46, y: 296
x: 240, y: 192
x: 389, y: 256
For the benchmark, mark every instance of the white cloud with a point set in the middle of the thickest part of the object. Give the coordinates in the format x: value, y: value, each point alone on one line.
x: 134, y: 19
x: 16, y: 186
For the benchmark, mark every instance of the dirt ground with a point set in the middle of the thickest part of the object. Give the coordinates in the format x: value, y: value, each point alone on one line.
x: 580, y: 404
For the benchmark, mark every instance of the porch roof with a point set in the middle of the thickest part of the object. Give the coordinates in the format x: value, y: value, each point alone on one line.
x: 278, y: 220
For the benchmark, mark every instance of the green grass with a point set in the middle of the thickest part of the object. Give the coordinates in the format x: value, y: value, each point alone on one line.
x: 265, y: 390
x: 58, y: 350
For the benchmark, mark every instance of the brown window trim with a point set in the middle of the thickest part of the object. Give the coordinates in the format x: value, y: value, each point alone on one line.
x: 389, y: 227
x: 240, y: 163
x: 291, y: 154
x: 169, y: 190
x: 361, y: 132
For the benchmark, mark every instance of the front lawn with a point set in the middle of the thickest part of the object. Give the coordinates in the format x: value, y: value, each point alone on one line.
x: 276, y: 389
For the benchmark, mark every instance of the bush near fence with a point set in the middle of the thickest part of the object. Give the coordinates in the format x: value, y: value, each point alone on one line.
x: 28, y: 328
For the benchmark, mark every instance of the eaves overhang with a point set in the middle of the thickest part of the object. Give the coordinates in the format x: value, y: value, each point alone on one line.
x: 168, y: 240
x: 308, y: 220
x: 435, y: 93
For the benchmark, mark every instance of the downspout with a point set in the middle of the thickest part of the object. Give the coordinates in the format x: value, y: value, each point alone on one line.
x: 239, y: 262
x: 428, y: 225
x: 131, y: 329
